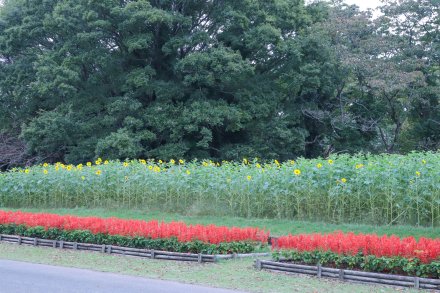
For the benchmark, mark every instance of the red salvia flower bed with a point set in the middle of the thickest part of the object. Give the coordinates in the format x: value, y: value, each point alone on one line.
x: 425, y: 249
x: 152, y: 229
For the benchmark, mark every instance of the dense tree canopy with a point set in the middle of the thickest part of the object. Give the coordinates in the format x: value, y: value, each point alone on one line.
x: 222, y: 79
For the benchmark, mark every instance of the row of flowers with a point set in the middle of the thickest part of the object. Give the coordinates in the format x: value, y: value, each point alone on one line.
x: 156, y: 166
x: 367, y: 252
x: 211, y: 234
x: 360, y: 251
x: 425, y: 249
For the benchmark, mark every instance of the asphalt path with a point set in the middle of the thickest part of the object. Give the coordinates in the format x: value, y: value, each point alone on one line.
x: 22, y: 277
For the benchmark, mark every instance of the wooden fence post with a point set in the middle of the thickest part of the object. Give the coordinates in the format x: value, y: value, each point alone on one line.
x: 319, y: 274
x: 417, y: 282
x: 109, y: 249
x: 75, y: 245
x: 341, y: 274
x: 199, y: 258
x: 35, y: 241
x: 19, y: 240
x: 258, y: 264
x: 54, y: 244
x: 61, y: 244
x: 103, y: 248
x: 153, y: 254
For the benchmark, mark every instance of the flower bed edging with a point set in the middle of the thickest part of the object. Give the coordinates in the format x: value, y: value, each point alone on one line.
x: 350, y: 275
x: 110, y: 249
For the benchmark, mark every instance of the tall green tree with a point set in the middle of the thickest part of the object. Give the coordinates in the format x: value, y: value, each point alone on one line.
x: 384, y: 78
x: 154, y: 78
x: 416, y: 26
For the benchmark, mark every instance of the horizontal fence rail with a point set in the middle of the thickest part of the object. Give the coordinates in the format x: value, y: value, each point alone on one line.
x: 241, y: 255
x: 110, y: 249
x: 350, y: 275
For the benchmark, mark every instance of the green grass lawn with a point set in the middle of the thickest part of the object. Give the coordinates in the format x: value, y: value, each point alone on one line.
x: 276, y: 227
x: 231, y: 274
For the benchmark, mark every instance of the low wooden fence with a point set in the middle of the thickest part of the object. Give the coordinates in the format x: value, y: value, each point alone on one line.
x: 349, y: 275
x: 155, y: 254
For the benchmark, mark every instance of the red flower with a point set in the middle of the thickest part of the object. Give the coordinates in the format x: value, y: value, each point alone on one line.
x: 427, y: 250
x: 152, y: 229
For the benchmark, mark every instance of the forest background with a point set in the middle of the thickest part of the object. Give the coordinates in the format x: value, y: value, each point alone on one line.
x: 220, y: 80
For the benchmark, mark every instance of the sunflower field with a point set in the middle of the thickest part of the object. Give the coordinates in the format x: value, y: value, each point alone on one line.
x: 375, y: 189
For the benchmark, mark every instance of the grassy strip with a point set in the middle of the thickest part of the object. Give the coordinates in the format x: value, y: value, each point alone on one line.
x: 236, y: 274
x: 276, y: 227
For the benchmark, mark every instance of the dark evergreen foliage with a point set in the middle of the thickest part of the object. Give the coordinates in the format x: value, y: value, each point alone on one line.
x: 222, y: 79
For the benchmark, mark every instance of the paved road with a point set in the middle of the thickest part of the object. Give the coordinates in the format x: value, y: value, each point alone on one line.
x: 22, y: 277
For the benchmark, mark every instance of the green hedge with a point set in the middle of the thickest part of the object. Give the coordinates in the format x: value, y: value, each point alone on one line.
x: 169, y: 244
x: 371, y: 263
